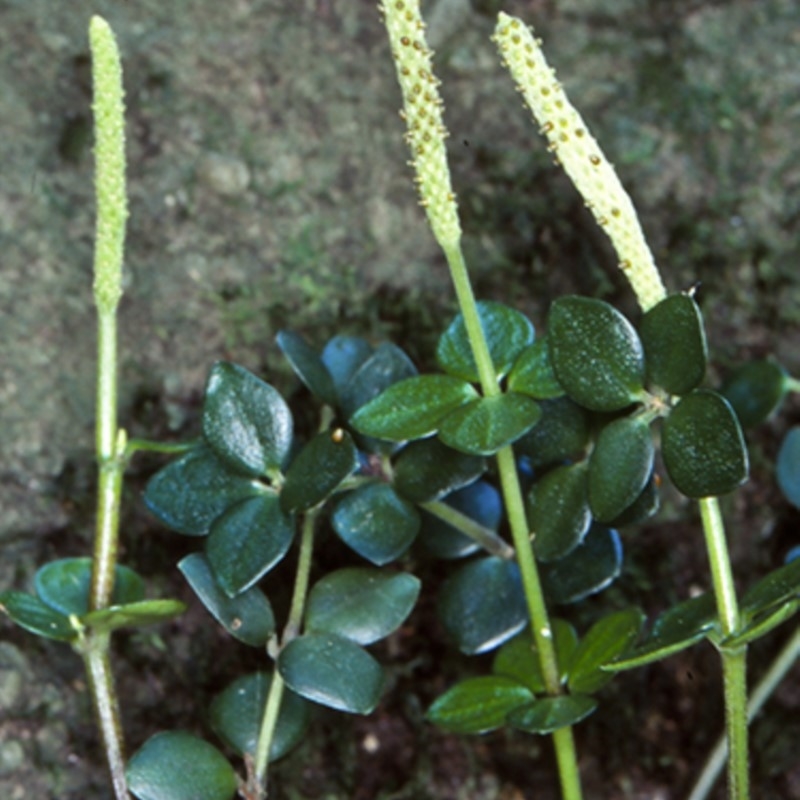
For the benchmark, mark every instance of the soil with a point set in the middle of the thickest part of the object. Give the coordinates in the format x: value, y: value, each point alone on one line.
x: 269, y: 189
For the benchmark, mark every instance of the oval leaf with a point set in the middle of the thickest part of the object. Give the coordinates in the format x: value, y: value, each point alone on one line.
x: 755, y: 390
x: 308, y: 366
x: 548, y: 714
x: 561, y: 434
x: 533, y: 373
x: 788, y: 466
x: 342, y: 356
x: 33, y: 615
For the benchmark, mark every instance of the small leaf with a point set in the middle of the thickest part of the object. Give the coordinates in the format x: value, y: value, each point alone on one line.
x: 761, y: 625
x: 478, y: 705
x: 237, y: 712
x: 483, y: 604
x: 248, y: 617
x: 332, y: 671
x: 507, y: 333
x: 134, y: 615
x: 703, y: 447
x: 755, y: 390
x: 560, y: 435
x: 246, y: 421
x: 317, y: 470
x: 484, y: 426
x: 376, y: 523
x: 642, y: 508
x: 342, y: 356
x: 533, y: 373
x: 788, y: 466
x: 178, y: 766
x: 548, y: 714
x: 674, y: 342
x: 35, y: 616
x: 361, y: 604
x: 607, y: 640
x: 596, y: 353
x: 308, y: 366
x: 247, y: 541
x: 412, y: 408
x: 620, y: 466
x: 780, y: 586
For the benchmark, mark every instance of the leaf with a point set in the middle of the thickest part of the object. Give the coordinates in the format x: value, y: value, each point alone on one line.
x: 596, y: 353
x: 478, y: 705
x: 674, y: 341
x: 755, y: 390
x: 332, y: 671
x: 703, y: 447
x: 175, y: 765
x: 191, y: 492
x: 246, y: 421
x: 761, y: 626
x: 376, y: 523
x: 428, y: 470
x: 533, y: 373
x: 484, y: 426
x: 483, y: 604
x: 308, y: 366
x: 780, y: 586
x: 558, y: 511
x: 620, y: 466
x: 361, y: 604
x: 318, y: 469
x: 607, y: 640
x: 788, y: 466
x: 548, y: 714
x: 65, y: 585
x: 247, y: 541
x: 248, y: 617
x: 342, y: 356
x: 588, y: 569
x: 561, y: 434
x: 412, y: 408
x: 507, y: 333
x: 236, y: 715
x: 134, y: 615
x: 642, y: 508
x: 35, y: 616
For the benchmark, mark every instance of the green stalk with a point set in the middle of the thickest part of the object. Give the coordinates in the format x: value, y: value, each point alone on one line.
x: 485, y: 537
x: 734, y: 661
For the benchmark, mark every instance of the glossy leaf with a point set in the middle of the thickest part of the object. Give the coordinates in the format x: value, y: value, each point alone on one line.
x: 788, y: 466
x: 332, y: 671
x: 703, y: 447
x: 191, y: 492
x: 588, y: 569
x: 237, y: 712
x: 483, y: 604
x: 674, y: 341
x: 178, y: 766
x: 134, y: 615
x: 533, y: 373
x: 558, y: 511
x: 755, y: 390
x: 246, y: 421
x: 412, y: 408
x: 607, y: 640
x: 780, y: 586
x: 342, y: 356
x: 620, y: 466
x: 478, y: 705
x: 487, y: 424
x: 33, y: 615
x: 561, y: 434
x: 308, y: 366
x: 361, y: 604
x: 247, y: 541
x: 507, y: 333
x: 317, y: 470
x: 642, y: 508
x: 596, y: 353
x: 248, y: 617
x: 375, y: 522
x: 548, y: 714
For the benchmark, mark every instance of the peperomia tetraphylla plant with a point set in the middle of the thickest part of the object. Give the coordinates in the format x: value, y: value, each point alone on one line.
x: 552, y: 438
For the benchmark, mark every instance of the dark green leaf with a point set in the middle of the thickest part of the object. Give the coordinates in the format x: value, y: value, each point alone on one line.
x: 246, y: 421
x: 332, y: 671
x: 308, y: 366
x: 134, y: 615
x: 376, y: 523
x: 788, y: 466
x: 703, y: 447
x: 487, y: 424
x: 778, y: 587
x: 412, y: 408
x: 32, y: 614
x: 561, y: 434
x: 620, y: 466
x: 387, y: 365
x: 596, y: 353
x: 674, y: 342
x: 507, y: 333
x: 248, y: 616
x: 606, y: 641
x: 247, y: 541
x: 361, y: 604
x: 178, y: 766
x: 478, y: 705
x: 548, y: 714
x: 483, y: 604
x: 342, y: 357
x: 191, y: 492
x: 317, y: 470
x: 533, y: 373
x: 642, y: 508
x: 755, y: 390
x: 237, y: 712
x: 558, y: 511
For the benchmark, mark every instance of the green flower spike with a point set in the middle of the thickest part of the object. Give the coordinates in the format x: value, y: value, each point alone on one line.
x: 580, y: 156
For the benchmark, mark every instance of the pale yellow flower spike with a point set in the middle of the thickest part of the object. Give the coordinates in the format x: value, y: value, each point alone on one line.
x: 578, y: 152
x: 423, y: 115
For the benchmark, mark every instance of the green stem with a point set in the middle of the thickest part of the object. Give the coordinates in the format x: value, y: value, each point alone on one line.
x: 484, y: 536
x: 145, y: 445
